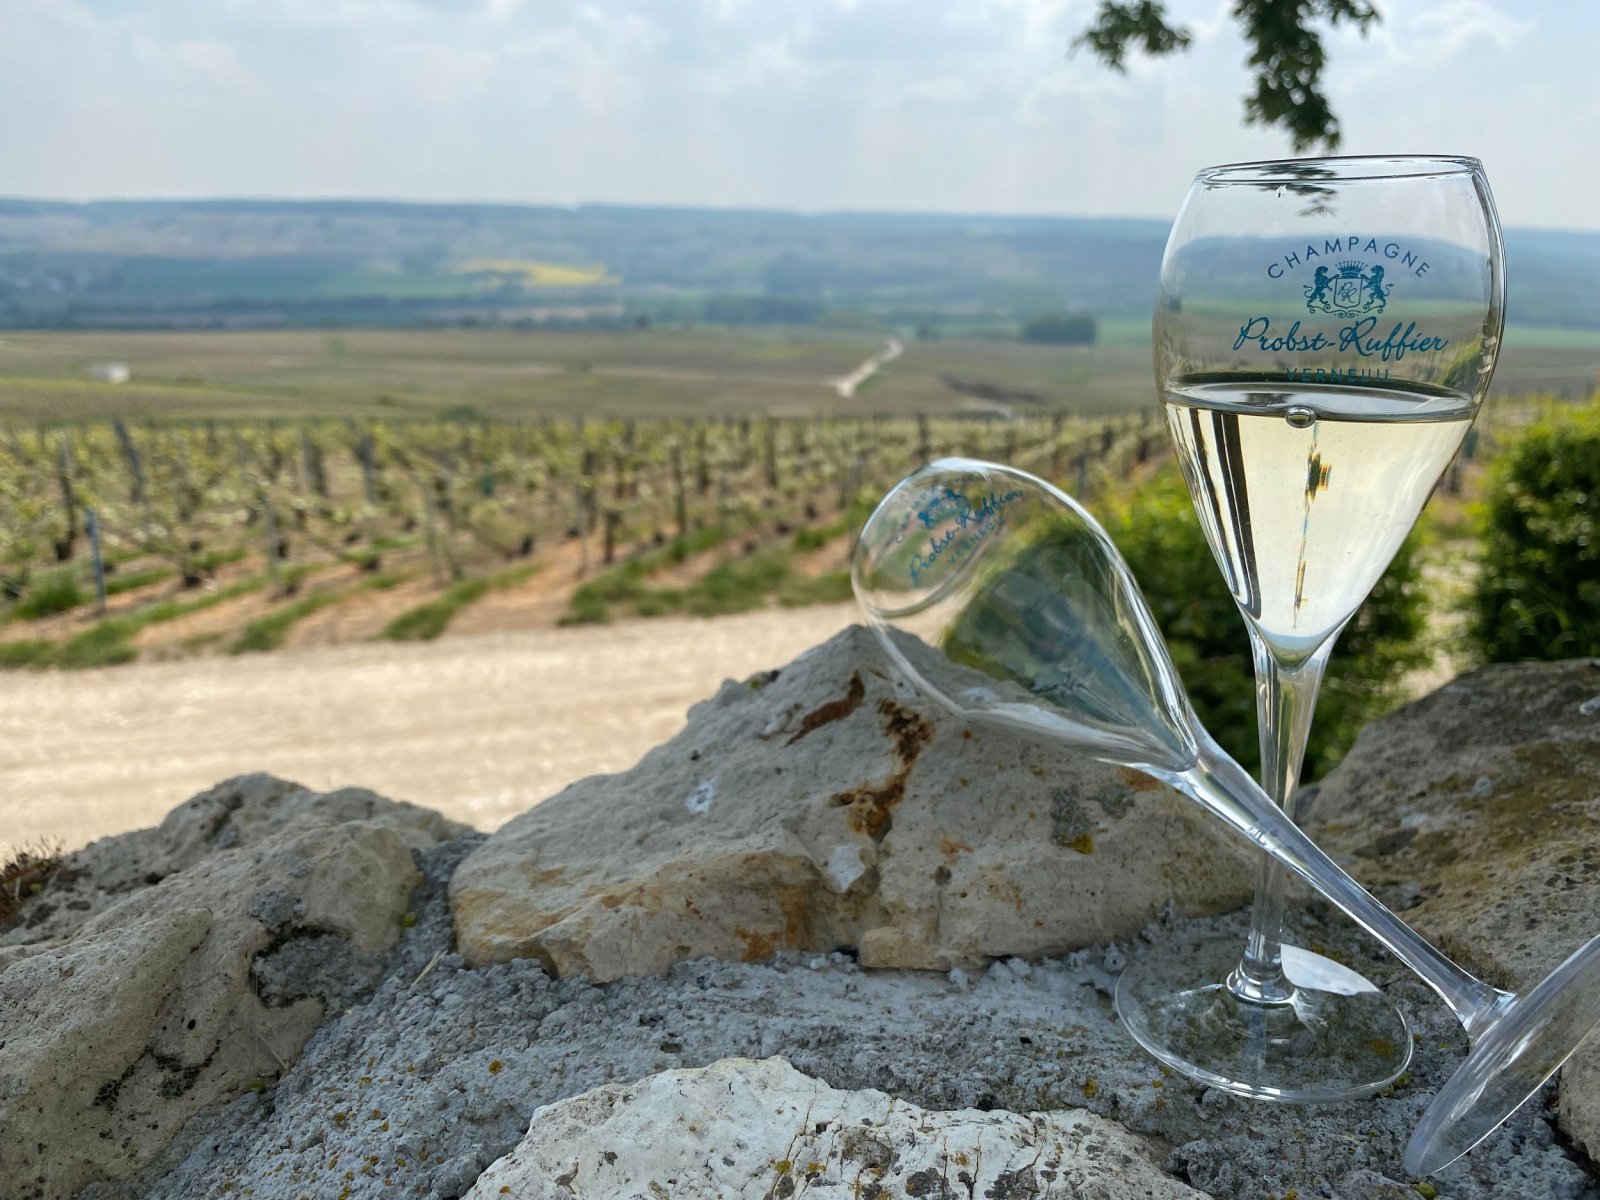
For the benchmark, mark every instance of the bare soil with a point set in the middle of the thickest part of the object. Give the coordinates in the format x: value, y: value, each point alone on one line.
x: 479, y: 727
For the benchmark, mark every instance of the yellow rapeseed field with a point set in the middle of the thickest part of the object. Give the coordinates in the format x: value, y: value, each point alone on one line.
x: 538, y: 274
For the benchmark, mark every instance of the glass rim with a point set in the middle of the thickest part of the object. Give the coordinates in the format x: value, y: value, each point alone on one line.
x: 1346, y: 168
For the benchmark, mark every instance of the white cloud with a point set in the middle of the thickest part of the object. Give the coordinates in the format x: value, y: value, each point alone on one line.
x: 963, y: 104
x: 1449, y: 26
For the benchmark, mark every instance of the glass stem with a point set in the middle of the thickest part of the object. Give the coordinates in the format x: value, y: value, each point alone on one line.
x: 1286, y: 696
x: 1226, y: 789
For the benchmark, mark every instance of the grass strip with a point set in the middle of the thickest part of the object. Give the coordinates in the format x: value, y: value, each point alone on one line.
x: 738, y: 585
x: 106, y: 643
x: 628, y: 584
x: 63, y: 590
x: 831, y: 588
x: 427, y: 621
x: 49, y: 593
x: 815, y: 537
x: 19, y: 655
x: 267, y: 632
x: 735, y: 586
x: 117, y: 584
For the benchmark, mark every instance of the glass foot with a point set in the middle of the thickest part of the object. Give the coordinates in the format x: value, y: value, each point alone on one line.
x: 1337, y: 1038
x: 1529, y: 1038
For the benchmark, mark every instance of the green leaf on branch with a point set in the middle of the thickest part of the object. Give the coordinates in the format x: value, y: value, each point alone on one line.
x: 1118, y: 26
x: 1286, y: 54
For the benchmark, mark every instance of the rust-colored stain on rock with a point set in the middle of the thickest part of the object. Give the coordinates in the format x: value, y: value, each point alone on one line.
x: 909, y: 731
x: 759, y: 945
x: 1138, y: 781
x: 870, y: 806
x: 537, y: 877
x: 833, y: 710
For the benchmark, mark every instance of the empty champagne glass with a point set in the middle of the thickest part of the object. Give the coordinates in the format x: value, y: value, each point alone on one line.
x: 1324, y: 333
x: 1001, y: 598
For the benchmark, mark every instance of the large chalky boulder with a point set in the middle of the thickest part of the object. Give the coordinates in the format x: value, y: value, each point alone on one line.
x: 742, y: 1127
x: 828, y: 805
x: 185, y: 987
x: 235, y: 814
x: 1477, y: 810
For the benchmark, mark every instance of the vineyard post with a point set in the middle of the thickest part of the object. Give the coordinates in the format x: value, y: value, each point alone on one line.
x: 702, y: 468
x: 130, y: 454
x: 69, y: 498
x: 365, y: 452
x: 431, y: 533
x: 630, y: 444
x: 91, y: 520
x: 444, y: 493
x: 924, y: 445
x: 311, y: 456
x: 588, y: 473
x: 613, y: 519
x: 581, y: 525
x: 680, y: 502
x: 772, y: 452
x: 724, y: 512
x: 269, y: 521
x: 1082, y: 491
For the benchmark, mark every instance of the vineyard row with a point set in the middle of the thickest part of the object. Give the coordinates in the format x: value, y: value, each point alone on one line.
x: 164, y: 518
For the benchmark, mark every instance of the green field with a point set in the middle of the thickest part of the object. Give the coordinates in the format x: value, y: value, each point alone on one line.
x: 506, y: 374
x: 509, y: 374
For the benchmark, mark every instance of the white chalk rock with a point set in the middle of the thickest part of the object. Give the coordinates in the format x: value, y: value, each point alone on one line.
x: 183, y: 994
x: 746, y: 1129
x: 829, y: 804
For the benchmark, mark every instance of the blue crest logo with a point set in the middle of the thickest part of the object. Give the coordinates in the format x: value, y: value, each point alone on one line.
x: 942, y: 507
x: 1354, y: 291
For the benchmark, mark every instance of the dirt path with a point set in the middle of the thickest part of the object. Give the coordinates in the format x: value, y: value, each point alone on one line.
x: 478, y: 727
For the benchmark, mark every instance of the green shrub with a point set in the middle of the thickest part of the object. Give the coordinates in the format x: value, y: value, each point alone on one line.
x: 1537, y: 594
x: 1160, y: 537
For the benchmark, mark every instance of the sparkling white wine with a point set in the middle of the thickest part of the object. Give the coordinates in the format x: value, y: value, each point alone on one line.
x: 1306, y: 492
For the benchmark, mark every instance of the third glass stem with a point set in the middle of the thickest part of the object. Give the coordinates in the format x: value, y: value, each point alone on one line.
x: 1286, y: 697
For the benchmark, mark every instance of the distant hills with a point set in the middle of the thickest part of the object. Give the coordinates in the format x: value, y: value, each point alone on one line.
x: 250, y: 263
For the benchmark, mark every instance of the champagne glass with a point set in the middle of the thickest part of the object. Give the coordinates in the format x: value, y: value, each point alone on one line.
x: 1325, y: 330
x: 1002, y: 599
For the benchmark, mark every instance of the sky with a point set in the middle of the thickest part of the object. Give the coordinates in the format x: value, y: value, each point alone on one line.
x: 898, y: 105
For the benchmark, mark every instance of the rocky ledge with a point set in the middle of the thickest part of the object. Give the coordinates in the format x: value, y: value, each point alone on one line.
x: 824, y: 941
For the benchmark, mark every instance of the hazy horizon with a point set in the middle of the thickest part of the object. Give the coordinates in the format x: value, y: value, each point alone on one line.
x: 646, y: 206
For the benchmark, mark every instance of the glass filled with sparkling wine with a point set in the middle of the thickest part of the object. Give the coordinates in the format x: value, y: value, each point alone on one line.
x: 1325, y: 331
